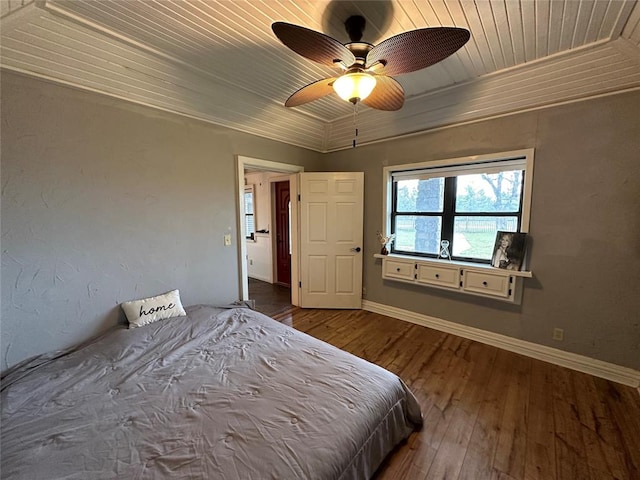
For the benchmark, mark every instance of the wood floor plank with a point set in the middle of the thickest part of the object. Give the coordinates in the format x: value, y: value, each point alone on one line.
x: 431, y: 342
x: 453, y: 374
x: 270, y: 299
x: 512, y: 440
x: 623, y: 405
x: 453, y: 447
x: 478, y: 462
x: 490, y: 414
x: 540, y: 458
x: 335, y: 328
x: 443, y: 382
x: 411, y: 462
x: 432, y: 393
x: 571, y: 457
x: 378, y: 340
x: 602, y: 441
x: 481, y: 359
x: 502, y: 476
x: 411, y: 345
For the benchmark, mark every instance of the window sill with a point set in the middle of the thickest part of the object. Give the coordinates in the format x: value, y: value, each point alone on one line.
x: 479, y: 267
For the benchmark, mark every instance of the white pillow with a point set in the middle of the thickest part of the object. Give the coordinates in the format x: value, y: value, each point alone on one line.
x: 148, y: 310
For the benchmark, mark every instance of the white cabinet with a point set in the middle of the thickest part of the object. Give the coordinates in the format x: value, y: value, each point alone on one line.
x: 438, y: 275
x: 486, y: 283
x: 400, y: 269
x: 463, y: 277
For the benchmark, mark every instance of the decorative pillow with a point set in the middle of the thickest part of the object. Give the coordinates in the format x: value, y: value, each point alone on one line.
x: 149, y: 310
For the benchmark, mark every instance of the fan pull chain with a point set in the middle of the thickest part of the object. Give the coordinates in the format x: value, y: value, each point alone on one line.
x: 355, y: 123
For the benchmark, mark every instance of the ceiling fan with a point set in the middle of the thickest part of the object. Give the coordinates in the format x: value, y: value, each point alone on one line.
x: 366, y: 68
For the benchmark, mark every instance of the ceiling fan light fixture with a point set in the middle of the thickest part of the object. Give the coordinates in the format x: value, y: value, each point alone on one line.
x: 367, y: 67
x: 354, y: 86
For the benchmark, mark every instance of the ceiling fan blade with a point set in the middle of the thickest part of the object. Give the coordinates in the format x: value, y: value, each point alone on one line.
x: 417, y: 49
x: 388, y: 94
x: 311, y: 92
x: 313, y: 45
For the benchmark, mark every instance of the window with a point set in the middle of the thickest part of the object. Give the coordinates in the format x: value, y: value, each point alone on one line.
x: 464, y: 201
x: 249, y: 213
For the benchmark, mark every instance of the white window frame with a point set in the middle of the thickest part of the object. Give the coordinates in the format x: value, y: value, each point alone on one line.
x: 459, y: 166
x: 249, y: 189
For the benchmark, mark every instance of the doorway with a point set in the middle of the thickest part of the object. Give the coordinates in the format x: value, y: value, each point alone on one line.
x: 281, y: 252
x: 283, y: 233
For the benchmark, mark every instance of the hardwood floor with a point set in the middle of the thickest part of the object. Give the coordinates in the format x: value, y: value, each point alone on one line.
x: 270, y: 299
x: 489, y: 413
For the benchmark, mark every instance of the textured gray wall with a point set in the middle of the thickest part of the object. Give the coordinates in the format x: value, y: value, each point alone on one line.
x: 104, y: 202
x: 585, y: 225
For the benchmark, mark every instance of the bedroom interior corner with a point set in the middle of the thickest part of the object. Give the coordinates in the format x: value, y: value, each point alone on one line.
x: 104, y: 200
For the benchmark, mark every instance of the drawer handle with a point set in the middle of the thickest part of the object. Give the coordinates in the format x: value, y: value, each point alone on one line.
x: 398, y: 269
x: 437, y: 275
x: 484, y: 283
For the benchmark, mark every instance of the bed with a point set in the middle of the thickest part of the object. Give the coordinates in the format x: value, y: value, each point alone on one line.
x: 216, y: 394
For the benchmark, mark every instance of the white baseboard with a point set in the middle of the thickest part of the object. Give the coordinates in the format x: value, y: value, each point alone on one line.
x: 598, y: 368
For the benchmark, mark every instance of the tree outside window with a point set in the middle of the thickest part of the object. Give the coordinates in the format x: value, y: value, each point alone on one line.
x: 465, y: 205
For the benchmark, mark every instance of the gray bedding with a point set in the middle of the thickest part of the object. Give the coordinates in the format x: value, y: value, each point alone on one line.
x: 218, y: 394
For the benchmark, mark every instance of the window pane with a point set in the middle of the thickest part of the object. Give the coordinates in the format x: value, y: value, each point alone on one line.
x: 417, y: 234
x: 249, y: 225
x: 475, y: 236
x: 248, y: 202
x: 421, y: 195
x: 490, y: 192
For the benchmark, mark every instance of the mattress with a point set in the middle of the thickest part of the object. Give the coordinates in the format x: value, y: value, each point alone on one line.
x: 218, y: 394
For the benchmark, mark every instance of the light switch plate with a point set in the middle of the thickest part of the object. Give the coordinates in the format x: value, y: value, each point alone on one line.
x: 227, y: 239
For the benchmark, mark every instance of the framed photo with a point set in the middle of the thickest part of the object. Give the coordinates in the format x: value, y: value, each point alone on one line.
x: 509, y: 250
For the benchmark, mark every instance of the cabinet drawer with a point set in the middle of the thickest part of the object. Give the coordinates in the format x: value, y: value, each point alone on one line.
x: 486, y: 283
x: 398, y: 269
x: 441, y: 276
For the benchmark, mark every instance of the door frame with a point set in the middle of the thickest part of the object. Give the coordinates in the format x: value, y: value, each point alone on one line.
x: 266, y: 165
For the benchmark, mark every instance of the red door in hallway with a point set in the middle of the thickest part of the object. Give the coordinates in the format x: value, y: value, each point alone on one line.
x: 283, y: 237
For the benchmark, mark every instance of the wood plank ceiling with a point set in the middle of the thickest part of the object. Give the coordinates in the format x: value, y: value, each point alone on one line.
x: 219, y: 61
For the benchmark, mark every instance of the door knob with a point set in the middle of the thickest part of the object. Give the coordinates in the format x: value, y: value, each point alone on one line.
x: 357, y: 249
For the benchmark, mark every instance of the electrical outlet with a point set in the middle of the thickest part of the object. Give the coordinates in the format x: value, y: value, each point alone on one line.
x: 364, y: 291
x: 558, y: 334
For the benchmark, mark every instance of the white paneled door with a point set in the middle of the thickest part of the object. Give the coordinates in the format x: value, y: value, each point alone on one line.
x: 331, y: 216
